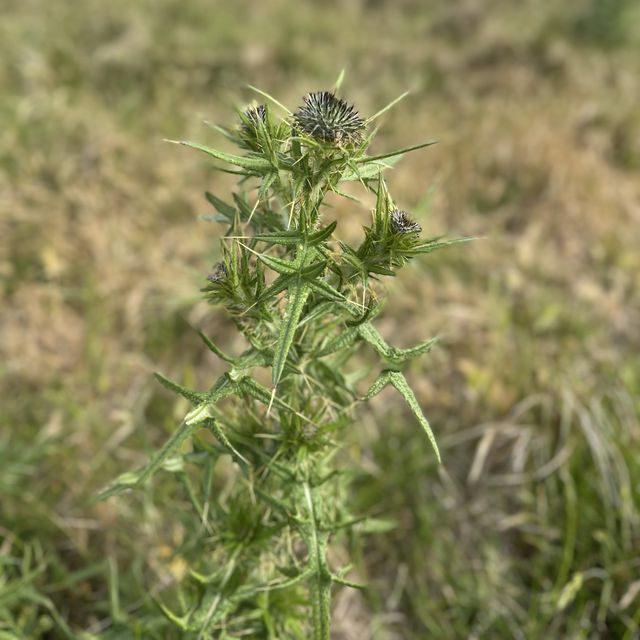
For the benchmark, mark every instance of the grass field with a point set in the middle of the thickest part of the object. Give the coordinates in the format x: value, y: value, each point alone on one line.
x: 531, y: 528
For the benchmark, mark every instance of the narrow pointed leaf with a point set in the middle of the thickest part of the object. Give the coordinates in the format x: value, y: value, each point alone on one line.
x: 398, y: 153
x: 286, y: 238
x: 285, y: 267
x: 372, y: 336
x: 435, y: 245
x: 326, y: 290
x: 220, y: 205
x: 396, y: 379
x: 251, y: 164
x: 398, y: 356
x: 217, y: 431
x: 262, y: 394
x: 322, y: 234
x: 194, y: 397
x: 342, y: 341
x: 298, y: 295
x: 266, y: 95
x: 212, y: 347
x: 385, y: 109
x: 134, y: 479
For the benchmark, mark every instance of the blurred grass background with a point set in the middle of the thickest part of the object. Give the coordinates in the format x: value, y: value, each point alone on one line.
x: 531, y: 527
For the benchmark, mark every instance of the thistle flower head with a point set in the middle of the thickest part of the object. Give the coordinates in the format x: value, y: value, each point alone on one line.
x: 252, y: 116
x: 402, y: 223
x: 219, y: 273
x: 325, y: 117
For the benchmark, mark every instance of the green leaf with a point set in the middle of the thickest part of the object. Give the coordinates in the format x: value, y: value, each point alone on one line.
x: 342, y: 341
x: 285, y: 267
x: 434, y: 245
x: 375, y: 116
x: 262, y: 394
x: 251, y: 164
x: 398, y: 356
x: 212, y: 347
x: 372, y: 336
x: 322, y: 234
x: 269, y: 97
x: 326, y: 290
x: 225, y: 209
x: 286, y: 238
x: 393, y: 154
x: 214, y: 427
x: 298, y: 295
x: 396, y: 379
x: 194, y: 397
x: 368, y: 170
x: 133, y: 479
x: 278, y: 286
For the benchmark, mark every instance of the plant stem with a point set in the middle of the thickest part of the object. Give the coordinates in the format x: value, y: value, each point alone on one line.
x: 321, y: 585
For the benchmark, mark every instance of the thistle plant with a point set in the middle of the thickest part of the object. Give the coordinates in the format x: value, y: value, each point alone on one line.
x: 306, y: 303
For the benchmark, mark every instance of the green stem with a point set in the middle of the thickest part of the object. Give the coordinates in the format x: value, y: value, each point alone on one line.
x: 321, y: 579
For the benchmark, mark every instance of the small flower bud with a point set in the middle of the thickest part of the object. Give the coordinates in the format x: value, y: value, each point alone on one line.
x: 402, y: 223
x: 219, y: 273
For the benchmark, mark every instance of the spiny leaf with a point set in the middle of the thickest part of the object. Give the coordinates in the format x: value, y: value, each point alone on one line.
x: 136, y: 478
x: 398, y: 153
x: 322, y: 234
x: 326, y: 290
x: 342, y: 341
x: 368, y: 170
x: 220, y: 205
x: 269, y: 97
x: 299, y: 576
x: 261, y: 393
x: 398, y: 356
x: 375, y: 116
x: 251, y: 164
x: 396, y: 379
x: 372, y: 336
x: 298, y: 295
x: 194, y: 397
x: 286, y: 267
x: 286, y: 238
x: 436, y: 244
x: 214, y: 427
x: 212, y: 347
